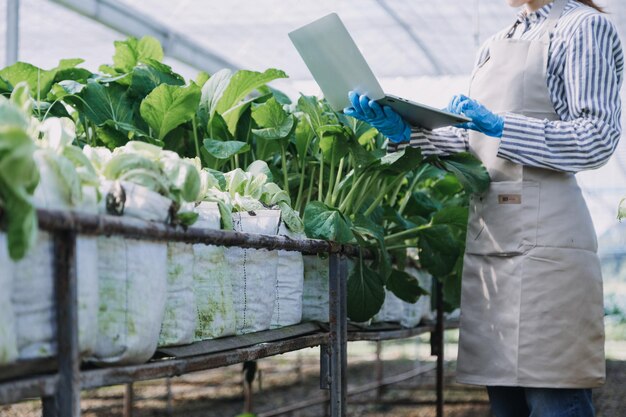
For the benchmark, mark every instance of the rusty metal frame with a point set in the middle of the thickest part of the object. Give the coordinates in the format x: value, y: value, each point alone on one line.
x: 60, y: 391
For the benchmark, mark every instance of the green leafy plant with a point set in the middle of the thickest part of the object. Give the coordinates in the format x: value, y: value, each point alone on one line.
x: 252, y: 148
x: 18, y: 172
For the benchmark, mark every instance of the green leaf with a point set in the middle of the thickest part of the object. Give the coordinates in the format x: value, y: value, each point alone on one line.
x: 184, y: 178
x: 366, y: 293
x: 218, y: 176
x: 280, y: 97
x: 5, y: 86
x: 168, y: 106
x: 273, y: 121
x: 242, y: 83
x: 224, y: 150
x: 131, y: 52
x: 202, y: 78
x: 260, y: 167
x: 404, y: 286
x: 21, y: 219
x: 452, y: 216
x: 67, y: 175
x: 333, y: 145
x: 110, y: 136
x: 469, y: 171
x: 122, y: 163
x: 146, y: 78
x: 74, y: 74
x: 362, y: 157
x: 39, y: 80
x: 439, y: 250
x: 447, y: 185
x: 405, y: 160
x: 621, y: 211
x: 324, y: 222
x: 19, y: 177
x: 101, y: 104
x: 186, y: 218
x: 218, y: 129
x: 452, y: 286
x: 366, y: 226
x: 234, y: 114
x: 21, y: 97
x: 63, y: 89
x: 421, y: 204
x: 212, y: 92
x: 291, y: 218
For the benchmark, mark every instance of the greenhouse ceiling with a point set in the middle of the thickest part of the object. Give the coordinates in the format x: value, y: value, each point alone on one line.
x: 398, y: 38
x: 409, y: 44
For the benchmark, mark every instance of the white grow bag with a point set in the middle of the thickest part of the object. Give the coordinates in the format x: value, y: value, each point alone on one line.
x: 315, y: 292
x: 253, y: 272
x: 179, y: 318
x: 289, y: 284
x: 414, y: 314
x: 33, y: 295
x: 215, y: 312
x: 392, y: 310
x: 8, y: 336
x: 133, y: 285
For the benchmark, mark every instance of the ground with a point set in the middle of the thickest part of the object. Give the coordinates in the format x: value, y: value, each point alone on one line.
x: 294, y: 377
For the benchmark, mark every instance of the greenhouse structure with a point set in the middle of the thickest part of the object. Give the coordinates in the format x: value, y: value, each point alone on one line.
x: 312, y: 208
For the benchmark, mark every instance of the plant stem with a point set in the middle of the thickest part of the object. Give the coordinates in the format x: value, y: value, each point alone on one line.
x: 331, y: 180
x: 320, y: 186
x: 394, y: 193
x: 301, y: 186
x: 302, y: 176
x: 382, y: 195
x: 406, y: 234
x: 283, y: 157
x: 194, y: 125
x: 353, y: 190
x: 409, y: 191
x: 357, y: 202
x: 310, y: 193
x: 337, y: 182
x: 389, y: 248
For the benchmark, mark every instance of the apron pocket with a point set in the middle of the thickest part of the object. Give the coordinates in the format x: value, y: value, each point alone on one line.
x: 503, y: 220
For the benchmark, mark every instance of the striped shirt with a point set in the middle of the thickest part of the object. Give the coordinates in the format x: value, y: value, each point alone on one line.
x: 585, y: 71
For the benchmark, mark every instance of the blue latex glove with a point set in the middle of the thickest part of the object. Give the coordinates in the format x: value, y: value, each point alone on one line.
x: 483, y: 120
x: 384, y: 119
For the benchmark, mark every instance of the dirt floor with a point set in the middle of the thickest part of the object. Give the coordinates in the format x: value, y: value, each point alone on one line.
x: 294, y: 377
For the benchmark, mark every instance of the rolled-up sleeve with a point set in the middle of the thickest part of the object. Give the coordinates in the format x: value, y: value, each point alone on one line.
x: 592, y: 74
x: 442, y: 141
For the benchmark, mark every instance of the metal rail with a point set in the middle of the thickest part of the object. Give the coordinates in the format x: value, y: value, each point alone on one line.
x: 60, y: 391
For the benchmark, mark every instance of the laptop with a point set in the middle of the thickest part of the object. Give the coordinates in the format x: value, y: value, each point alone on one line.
x: 338, y: 66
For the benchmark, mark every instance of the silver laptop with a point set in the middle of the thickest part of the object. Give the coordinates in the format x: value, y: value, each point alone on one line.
x: 338, y: 66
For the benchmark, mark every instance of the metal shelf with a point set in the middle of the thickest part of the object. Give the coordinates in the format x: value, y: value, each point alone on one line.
x: 60, y: 380
x: 381, y: 332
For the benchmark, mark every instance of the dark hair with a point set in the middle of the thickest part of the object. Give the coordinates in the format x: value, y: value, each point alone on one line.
x: 591, y: 3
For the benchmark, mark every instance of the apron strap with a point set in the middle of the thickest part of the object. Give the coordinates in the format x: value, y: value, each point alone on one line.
x: 553, y: 18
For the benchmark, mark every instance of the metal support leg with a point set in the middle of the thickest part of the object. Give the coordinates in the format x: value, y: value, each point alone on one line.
x: 12, y: 33
x: 338, y: 335
x: 440, y: 347
x: 169, y: 399
x: 129, y: 400
x: 67, y: 399
x: 379, y: 370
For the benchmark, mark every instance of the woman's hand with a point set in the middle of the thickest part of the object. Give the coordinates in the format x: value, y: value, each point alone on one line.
x: 385, y: 119
x: 483, y: 120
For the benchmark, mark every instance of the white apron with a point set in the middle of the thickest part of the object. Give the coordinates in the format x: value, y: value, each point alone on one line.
x: 531, y: 305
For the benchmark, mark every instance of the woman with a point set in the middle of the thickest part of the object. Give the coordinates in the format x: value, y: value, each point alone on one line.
x: 544, y: 103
